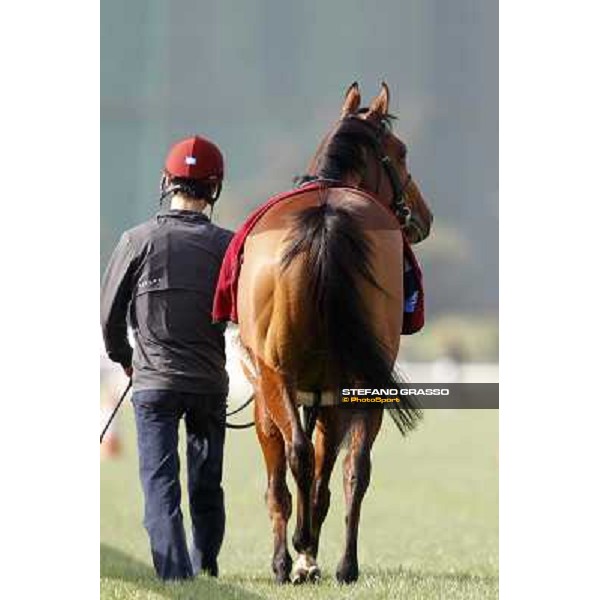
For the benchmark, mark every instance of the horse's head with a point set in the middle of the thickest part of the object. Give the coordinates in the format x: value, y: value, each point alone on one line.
x: 362, y: 150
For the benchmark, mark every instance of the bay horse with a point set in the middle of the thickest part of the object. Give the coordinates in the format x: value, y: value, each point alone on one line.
x: 320, y: 305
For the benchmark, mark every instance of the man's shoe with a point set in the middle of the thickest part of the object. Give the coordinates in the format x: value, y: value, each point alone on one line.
x: 212, y: 569
x: 202, y: 565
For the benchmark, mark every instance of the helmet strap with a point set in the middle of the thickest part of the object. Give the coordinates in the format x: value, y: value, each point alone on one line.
x: 167, y: 190
x: 216, y: 193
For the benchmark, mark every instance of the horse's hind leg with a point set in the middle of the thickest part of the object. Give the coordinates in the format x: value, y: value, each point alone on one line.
x: 280, y: 402
x: 278, y: 497
x: 357, y: 473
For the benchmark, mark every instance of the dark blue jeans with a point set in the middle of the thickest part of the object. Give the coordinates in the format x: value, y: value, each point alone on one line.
x: 157, y: 415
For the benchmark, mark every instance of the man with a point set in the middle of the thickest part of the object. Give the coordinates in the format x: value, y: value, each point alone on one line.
x: 161, y: 280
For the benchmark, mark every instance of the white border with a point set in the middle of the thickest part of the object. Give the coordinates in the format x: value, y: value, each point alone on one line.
x: 550, y: 405
x: 49, y: 248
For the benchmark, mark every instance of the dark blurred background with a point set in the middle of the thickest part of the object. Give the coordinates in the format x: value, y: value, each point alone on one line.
x: 265, y: 79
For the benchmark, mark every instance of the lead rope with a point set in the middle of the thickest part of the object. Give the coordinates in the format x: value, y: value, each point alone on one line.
x: 229, y: 414
x: 114, y: 412
x: 237, y: 410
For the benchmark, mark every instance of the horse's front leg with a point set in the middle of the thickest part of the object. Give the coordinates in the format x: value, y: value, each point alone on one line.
x: 357, y: 474
x: 329, y: 432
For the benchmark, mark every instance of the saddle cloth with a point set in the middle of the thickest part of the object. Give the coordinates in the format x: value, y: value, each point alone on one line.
x: 225, y: 298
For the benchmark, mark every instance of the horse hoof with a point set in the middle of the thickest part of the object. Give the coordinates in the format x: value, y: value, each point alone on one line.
x: 347, y: 573
x: 314, y: 574
x: 282, y: 578
x: 298, y: 578
x: 305, y: 569
x: 282, y: 568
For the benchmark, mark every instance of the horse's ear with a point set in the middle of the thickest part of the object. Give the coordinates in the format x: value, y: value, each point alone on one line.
x: 351, y: 101
x: 381, y: 102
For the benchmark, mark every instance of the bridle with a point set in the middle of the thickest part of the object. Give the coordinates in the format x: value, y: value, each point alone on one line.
x: 398, y: 205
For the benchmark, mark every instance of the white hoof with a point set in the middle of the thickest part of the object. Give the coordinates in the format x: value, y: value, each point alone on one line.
x: 305, y: 569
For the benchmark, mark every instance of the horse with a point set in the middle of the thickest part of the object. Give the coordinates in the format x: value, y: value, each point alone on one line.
x: 320, y: 297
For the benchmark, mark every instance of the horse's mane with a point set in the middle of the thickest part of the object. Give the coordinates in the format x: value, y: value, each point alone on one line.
x: 343, y: 152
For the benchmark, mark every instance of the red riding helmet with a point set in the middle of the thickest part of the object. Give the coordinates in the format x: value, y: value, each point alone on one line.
x: 195, y: 158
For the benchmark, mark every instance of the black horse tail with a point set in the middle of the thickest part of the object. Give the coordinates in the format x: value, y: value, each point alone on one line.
x: 337, y: 255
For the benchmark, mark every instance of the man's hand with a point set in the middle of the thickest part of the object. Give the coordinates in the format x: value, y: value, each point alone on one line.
x: 128, y: 371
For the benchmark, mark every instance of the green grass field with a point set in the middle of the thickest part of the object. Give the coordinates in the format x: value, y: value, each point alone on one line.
x: 429, y: 525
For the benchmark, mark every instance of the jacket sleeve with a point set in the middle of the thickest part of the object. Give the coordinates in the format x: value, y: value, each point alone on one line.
x: 115, y: 296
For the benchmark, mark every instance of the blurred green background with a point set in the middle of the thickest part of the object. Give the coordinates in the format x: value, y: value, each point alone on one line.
x: 265, y: 79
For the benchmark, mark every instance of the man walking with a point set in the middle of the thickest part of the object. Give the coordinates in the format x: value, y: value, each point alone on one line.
x: 161, y: 280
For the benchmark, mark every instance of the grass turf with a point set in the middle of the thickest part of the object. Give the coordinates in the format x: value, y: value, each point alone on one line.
x: 429, y: 526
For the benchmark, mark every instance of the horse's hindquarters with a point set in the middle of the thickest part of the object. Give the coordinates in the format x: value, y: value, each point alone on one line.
x: 281, y: 315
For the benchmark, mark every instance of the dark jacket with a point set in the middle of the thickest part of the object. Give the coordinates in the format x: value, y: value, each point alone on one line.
x: 161, y: 279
